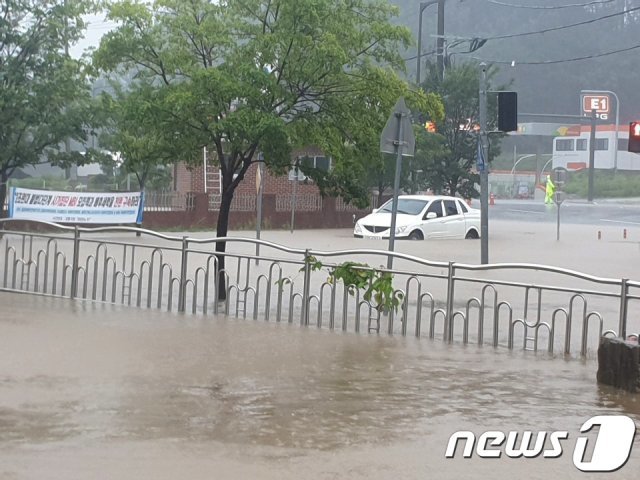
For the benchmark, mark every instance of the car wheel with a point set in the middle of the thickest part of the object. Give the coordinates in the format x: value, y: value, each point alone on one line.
x: 472, y: 235
x: 416, y: 235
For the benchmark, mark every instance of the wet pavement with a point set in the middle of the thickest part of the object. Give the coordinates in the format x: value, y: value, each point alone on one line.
x: 100, y: 391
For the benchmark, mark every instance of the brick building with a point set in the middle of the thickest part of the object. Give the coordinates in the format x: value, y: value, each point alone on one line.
x: 195, y: 201
x: 192, y: 179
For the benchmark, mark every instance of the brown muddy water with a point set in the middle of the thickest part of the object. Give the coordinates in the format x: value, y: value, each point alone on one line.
x: 99, y: 391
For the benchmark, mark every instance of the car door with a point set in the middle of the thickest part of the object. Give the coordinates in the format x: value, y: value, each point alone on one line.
x: 453, y: 221
x: 433, y: 227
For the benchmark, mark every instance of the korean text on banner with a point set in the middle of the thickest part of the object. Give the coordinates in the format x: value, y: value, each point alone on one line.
x: 76, y: 207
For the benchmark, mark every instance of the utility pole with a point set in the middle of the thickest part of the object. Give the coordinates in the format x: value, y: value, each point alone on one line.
x: 424, y: 5
x: 592, y: 155
x: 483, y: 168
x: 440, y: 40
x: 73, y: 169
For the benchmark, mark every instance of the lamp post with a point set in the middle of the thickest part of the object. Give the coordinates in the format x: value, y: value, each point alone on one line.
x: 524, y: 157
x: 514, y: 192
x: 423, y: 5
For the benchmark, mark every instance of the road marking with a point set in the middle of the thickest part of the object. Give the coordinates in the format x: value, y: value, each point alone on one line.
x: 526, y: 211
x: 619, y: 221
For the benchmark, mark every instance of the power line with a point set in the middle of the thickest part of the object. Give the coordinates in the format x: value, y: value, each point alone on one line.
x: 483, y: 40
x: 557, y: 7
x: 424, y: 54
x: 551, y: 62
x: 563, y: 27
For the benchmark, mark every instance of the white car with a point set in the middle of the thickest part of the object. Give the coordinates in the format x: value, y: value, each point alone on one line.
x: 421, y: 217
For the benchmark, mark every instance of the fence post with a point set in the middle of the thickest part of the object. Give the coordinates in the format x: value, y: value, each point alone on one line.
x: 306, y: 288
x: 624, y: 303
x: 75, y: 262
x: 182, y: 294
x: 448, y: 324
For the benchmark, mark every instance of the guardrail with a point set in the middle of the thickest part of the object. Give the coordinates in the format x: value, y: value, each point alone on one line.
x: 535, y: 307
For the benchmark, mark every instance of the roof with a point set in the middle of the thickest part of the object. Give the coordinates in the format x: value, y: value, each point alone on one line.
x: 428, y: 197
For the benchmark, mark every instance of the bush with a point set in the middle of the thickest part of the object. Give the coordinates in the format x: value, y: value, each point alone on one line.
x: 606, y: 184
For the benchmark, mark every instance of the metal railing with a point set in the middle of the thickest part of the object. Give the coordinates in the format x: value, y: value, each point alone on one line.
x: 240, y: 203
x: 342, y: 206
x: 534, y: 307
x: 168, y: 202
x: 304, y: 203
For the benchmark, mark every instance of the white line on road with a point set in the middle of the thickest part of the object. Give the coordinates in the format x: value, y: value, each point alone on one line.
x: 526, y: 211
x: 619, y: 221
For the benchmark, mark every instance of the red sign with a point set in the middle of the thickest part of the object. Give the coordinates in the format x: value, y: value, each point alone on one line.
x: 599, y: 103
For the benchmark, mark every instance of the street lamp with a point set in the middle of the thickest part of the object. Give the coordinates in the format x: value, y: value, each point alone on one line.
x: 423, y: 5
x: 523, y: 157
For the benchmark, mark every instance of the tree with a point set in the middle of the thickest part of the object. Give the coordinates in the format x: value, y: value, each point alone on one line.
x: 44, y: 96
x: 133, y: 133
x: 449, y: 170
x: 251, y: 76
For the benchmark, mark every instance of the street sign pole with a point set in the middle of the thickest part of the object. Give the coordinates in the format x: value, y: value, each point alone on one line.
x: 397, y: 137
x: 483, y: 169
x: 260, y: 189
x: 293, y: 195
x: 396, y: 188
x: 559, y: 180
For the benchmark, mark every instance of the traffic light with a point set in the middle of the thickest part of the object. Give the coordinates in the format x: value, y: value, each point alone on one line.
x: 507, y: 111
x: 430, y: 127
x: 634, y: 137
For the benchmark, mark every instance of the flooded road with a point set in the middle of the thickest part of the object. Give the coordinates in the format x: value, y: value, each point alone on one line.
x: 101, y: 391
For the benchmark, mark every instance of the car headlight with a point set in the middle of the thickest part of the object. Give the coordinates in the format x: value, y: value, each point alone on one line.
x: 358, y: 228
x: 401, y: 229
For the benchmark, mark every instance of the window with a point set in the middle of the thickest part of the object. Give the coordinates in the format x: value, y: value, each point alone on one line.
x: 435, y: 206
x: 319, y: 162
x: 463, y: 208
x: 564, y: 145
x: 582, y: 145
x: 450, y: 207
x: 292, y: 174
x: 407, y: 206
x: 602, y: 144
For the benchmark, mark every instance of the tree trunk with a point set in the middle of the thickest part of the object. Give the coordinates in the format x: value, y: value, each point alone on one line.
x: 221, y: 231
x: 4, y: 178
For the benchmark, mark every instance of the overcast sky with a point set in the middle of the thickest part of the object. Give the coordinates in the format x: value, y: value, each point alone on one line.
x: 97, y: 26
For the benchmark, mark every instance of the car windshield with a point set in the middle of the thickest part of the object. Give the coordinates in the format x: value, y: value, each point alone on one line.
x: 408, y: 206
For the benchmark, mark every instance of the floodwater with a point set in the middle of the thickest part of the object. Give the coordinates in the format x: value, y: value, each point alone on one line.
x: 101, y: 391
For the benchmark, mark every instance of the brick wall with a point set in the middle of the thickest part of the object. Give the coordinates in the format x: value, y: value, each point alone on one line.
x: 199, y: 216
x: 188, y: 178
x: 191, y: 179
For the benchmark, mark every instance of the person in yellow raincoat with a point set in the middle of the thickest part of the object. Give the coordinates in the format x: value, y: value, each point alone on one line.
x: 550, y: 190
